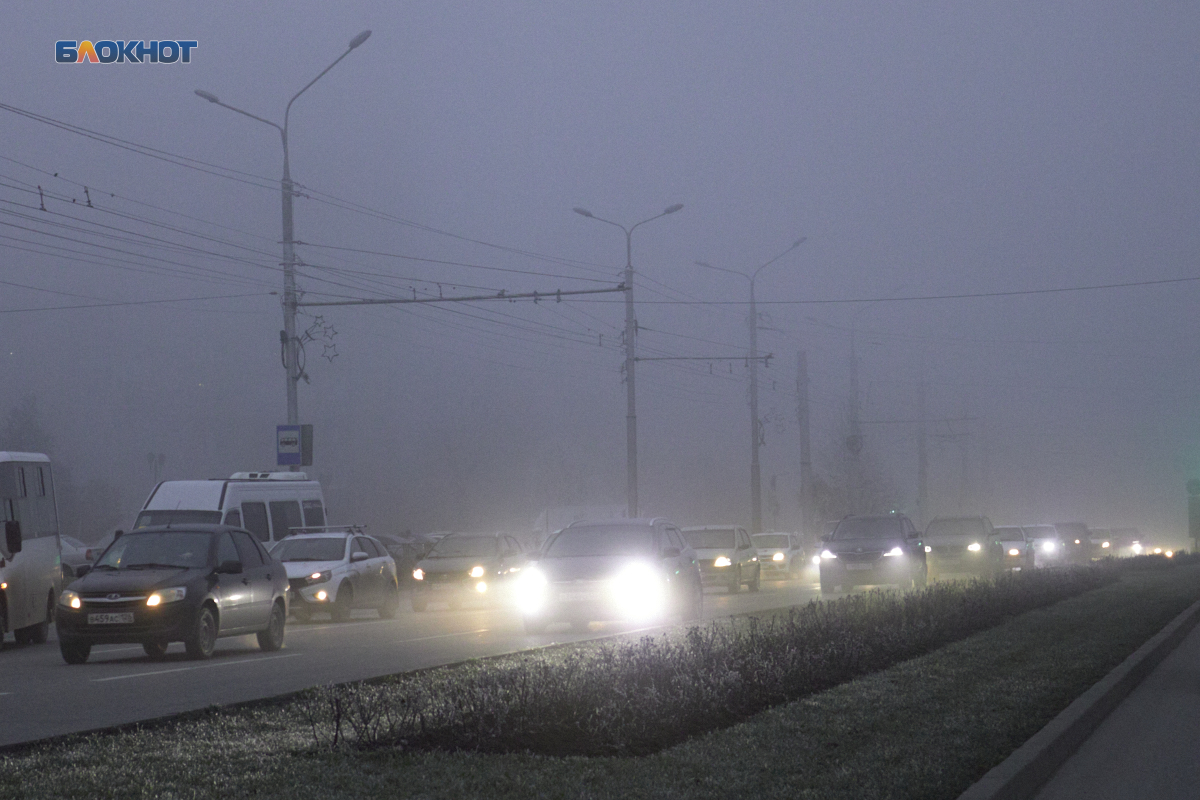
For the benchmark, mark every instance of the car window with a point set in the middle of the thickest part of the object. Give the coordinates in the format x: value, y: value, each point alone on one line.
x: 464, y: 547
x: 246, y: 549
x: 601, y: 540
x: 314, y: 514
x: 367, y: 546
x: 176, y: 517
x: 674, y: 538
x: 868, y: 528
x: 310, y: 548
x: 255, y: 517
x: 285, y: 517
x: 233, y: 518
x: 183, y: 549
x: 226, y: 551
x: 513, y: 546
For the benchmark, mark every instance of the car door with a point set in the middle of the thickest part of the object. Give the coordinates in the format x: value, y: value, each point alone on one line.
x: 233, y: 588
x: 366, y: 581
x: 746, y: 554
x: 258, y: 572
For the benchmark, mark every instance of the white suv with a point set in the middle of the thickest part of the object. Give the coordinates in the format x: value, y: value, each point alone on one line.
x: 338, y: 571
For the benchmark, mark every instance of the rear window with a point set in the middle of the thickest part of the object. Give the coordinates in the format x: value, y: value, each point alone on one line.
x: 177, y: 517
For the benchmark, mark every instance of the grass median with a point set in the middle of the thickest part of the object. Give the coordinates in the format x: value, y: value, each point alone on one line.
x: 926, y: 727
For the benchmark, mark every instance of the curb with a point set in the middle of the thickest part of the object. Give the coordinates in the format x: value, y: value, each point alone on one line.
x: 1032, y: 764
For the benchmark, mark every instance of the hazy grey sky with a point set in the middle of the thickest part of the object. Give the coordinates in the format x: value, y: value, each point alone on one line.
x: 923, y: 149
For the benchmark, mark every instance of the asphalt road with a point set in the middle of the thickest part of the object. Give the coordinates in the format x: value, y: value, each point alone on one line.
x: 42, y: 696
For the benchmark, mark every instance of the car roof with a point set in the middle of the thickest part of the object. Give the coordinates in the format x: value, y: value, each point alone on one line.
x: 190, y: 527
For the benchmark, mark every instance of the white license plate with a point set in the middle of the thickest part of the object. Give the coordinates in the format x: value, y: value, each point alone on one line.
x: 859, y: 566
x: 111, y: 619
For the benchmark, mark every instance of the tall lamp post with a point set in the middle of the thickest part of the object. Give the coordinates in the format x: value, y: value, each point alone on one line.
x: 288, y: 340
x: 631, y: 482
x: 755, y: 476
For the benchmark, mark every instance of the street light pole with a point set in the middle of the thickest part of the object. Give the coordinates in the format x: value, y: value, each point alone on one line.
x: 631, y: 479
x: 755, y: 422
x: 289, y: 342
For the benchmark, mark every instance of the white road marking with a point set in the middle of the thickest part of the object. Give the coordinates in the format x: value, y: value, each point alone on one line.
x: 443, y: 636
x: 257, y: 660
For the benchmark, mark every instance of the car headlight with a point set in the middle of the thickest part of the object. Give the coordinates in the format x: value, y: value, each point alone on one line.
x: 70, y: 599
x: 1106, y: 544
x: 319, y: 577
x: 778, y: 557
x: 816, y: 559
x: 928, y: 549
x: 166, y: 596
x: 418, y: 574
x: 639, y: 591
x: 1047, y: 547
x: 895, y: 551
x: 974, y: 547
x: 481, y: 587
x: 529, y: 590
x: 1012, y: 551
x: 828, y: 554
x: 722, y: 561
x: 1137, y: 548
x: 477, y: 572
x: 1169, y: 554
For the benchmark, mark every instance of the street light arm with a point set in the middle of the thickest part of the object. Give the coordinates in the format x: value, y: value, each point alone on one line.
x: 722, y: 269
x: 355, y: 42
x: 213, y: 99
x: 795, y: 244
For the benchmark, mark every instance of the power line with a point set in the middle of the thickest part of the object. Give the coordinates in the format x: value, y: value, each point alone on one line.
x: 132, y: 302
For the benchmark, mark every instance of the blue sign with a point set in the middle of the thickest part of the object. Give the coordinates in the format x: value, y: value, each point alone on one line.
x: 287, y: 446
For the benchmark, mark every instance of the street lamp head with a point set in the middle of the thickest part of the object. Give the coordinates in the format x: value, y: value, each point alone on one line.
x: 704, y: 264
x: 357, y: 40
x: 800, y: 241
x: 673, y: 209
x: 209, y: 96
x: 583, y: 212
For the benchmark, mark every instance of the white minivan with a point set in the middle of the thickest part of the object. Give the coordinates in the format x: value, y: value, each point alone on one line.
x: 30, y: 558
x: 271, y: 505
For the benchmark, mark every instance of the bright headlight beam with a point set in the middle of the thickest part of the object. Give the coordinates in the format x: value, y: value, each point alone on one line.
x: 1014, y: 552
x: 476, y: 572
x: 722, y: 561
x: 974, y: 547
x: 778, y: 557
x: 895, y: 551
x: 828, y: 554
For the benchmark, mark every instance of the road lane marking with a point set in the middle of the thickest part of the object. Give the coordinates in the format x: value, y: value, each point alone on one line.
x: 197, y: 666
x: 442, y: 636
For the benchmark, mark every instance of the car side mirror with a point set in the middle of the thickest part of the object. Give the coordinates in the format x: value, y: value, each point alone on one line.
x: 12, y: 537
x: 358, y: 555
x: 230, y: 568
x: 670, y: 552
x: 82, y: 570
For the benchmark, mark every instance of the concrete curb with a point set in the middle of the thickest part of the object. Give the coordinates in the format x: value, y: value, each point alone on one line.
x: 1032, y: 764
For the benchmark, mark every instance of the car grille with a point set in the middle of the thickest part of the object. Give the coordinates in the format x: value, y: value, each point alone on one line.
x: 861, y: 558
x: 446, y: 577
x: 103, y: 602
x: 949, y: 550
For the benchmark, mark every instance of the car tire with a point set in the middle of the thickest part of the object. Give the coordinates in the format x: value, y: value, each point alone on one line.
x: 156, y: 650
x: 74, y: 652
x: 419, y: 603
x: 201, y: 640
x: 693, y: 607
x: 340, y: 609
x: 391, y: 602
x: 535, y: 625
x: 270, y: 639
x: 735, y: 583
x: 756, y: 584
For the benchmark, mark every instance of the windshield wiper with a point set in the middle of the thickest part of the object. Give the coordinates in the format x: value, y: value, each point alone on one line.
x: 103, y: 566
x: 151, y: 565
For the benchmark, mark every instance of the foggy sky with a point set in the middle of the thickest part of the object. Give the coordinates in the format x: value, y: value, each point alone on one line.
x: 922, y: 148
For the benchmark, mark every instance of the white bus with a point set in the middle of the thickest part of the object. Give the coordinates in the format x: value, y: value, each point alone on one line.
x: 30, y: 556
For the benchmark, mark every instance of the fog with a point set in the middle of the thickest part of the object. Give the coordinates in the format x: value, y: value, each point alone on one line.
x: 977, y: 154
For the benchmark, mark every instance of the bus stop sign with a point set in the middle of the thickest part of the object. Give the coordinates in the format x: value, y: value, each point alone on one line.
x: 293, y: 445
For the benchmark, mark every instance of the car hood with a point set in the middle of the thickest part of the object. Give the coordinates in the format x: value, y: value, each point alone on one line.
x: 135, y: 580
x: 300, y: 569
x: 709, y: 553
x: 587, y: 568
x: 961, y: 541
x: 455, y: 564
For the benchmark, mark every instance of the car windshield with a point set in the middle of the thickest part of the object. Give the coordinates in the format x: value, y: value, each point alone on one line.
x: 596, y: 540
x: 316, y: 548
x: 464, y: 547
x: 1041, y: 532
x: 158, y: 549
x: 767, y: 541
x: 971, y: 528
x: 711, y: 539
x: 177, y: 517
x: 1009, y: 534
x: 869, y: 528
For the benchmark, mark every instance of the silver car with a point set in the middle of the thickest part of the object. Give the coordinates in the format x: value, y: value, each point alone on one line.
x: 338, y: 571
x: 781, y: 556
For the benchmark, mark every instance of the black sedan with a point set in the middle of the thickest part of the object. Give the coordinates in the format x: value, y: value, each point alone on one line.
x: 872, y: 550
x: 630, y: 569
x: 161, y: 584
x: 463, y: 567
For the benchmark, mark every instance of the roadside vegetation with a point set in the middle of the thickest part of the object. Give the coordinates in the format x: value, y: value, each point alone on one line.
x: 925, y: 727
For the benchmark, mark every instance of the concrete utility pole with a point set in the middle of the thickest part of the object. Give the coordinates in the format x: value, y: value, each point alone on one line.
x: 631, y: 482
x: 756, y: 435
x: 922, y: 459
x: 289, y: 343
x: 806, y: 479
x: 854, y: 442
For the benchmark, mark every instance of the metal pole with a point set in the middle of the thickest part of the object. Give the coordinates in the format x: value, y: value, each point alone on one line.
x: 290, y: 350
x: 631, y: 478
x: 922, y: 459
x: 755, y: 477
x: 806, y: 480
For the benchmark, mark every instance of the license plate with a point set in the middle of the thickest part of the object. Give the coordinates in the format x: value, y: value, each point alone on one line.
x: 859, y: 566
x: 111, y: 619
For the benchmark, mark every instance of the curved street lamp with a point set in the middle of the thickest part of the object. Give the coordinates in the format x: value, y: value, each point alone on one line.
x: 755, y: 437
x: 631, y: 483
x: 288, y: 335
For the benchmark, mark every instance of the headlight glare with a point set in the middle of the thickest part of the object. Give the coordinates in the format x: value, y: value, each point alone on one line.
x: 974, y: 547
x: 778, y: 557
x: 70, y: 599
x: 418, y: 574
x: 166, y: 596
x: 1012, y: 551
x: 895, y: 551
x: 722, y: 561
x: 476, y: 572
x: 529, y: 590
x: 828, y: 554
x: 1047, y: 547
x: 639, y: 591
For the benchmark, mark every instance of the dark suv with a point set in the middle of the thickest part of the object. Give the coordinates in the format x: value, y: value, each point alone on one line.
x: 964, y: 546
x: 871, y: 550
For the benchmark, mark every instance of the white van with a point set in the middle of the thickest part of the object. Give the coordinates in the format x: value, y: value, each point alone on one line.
x: 270, y: 505
x: 30, y: 555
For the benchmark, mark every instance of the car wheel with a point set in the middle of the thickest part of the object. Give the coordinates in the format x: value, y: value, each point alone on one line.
x: 156, y: 650
x: 694, y: 606
x: 735, y: 582
x: 271, y: 639
x: 535, y: 625
x: 202, y: 638
x: 74, y: 652
x: 827, y: 586
x: 419, y: 603
x: 340, y: 610
x: 391, y: 602
x: 756, y: 584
